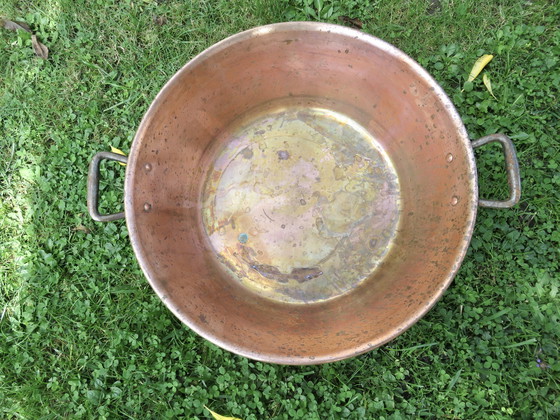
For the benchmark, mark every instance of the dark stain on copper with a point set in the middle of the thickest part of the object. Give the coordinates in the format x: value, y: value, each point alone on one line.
x: 283, y: 155
x: 268, y: 217
x: 247, y: 153
x: 300, y: 274
x: 270, y: 272
x: 305, y: 274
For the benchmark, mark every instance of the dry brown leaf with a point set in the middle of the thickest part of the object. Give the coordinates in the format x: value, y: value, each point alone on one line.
x: 352, y: 22
x: 40, y: 49
x: 82, y: 228
x: 160, y: 20
x: 15, y: 26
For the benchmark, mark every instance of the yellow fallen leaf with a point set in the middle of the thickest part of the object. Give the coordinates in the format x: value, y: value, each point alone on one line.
x: 486, y: 81
x: 479, y: 65
x: 120, y: 152
x: 219, y: 417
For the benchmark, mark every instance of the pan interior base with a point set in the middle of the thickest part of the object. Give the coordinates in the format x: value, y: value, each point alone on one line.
x: 302, y: 204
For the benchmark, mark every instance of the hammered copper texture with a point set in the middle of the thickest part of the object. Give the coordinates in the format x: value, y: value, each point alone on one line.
x: 323, y: 67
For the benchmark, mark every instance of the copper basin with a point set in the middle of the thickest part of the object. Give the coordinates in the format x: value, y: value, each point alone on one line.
x: 301, y: 193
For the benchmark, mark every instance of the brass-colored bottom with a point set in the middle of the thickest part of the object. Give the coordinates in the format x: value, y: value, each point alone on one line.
x: 302, y: 203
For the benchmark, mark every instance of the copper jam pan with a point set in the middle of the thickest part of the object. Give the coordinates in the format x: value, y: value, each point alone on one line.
x: 301, y: 193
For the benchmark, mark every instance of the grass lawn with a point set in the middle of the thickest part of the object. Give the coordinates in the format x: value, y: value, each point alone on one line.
x: 82, y: 335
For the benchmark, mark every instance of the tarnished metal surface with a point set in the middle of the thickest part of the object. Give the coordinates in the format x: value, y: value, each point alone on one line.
x: 296, y: 193
x: 300, y: 193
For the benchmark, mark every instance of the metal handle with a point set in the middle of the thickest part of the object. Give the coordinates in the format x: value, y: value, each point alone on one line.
x: 93, y: 187
x: 512, y: 168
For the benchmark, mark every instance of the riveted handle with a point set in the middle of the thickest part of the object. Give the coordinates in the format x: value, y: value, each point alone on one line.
x: 512, y: 168
x: 93, y: 187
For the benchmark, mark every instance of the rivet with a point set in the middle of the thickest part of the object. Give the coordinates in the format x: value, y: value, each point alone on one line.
x: 147, y: 207
x: 147, y: 167
x: 454, y: 200
x: 449, y: 157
